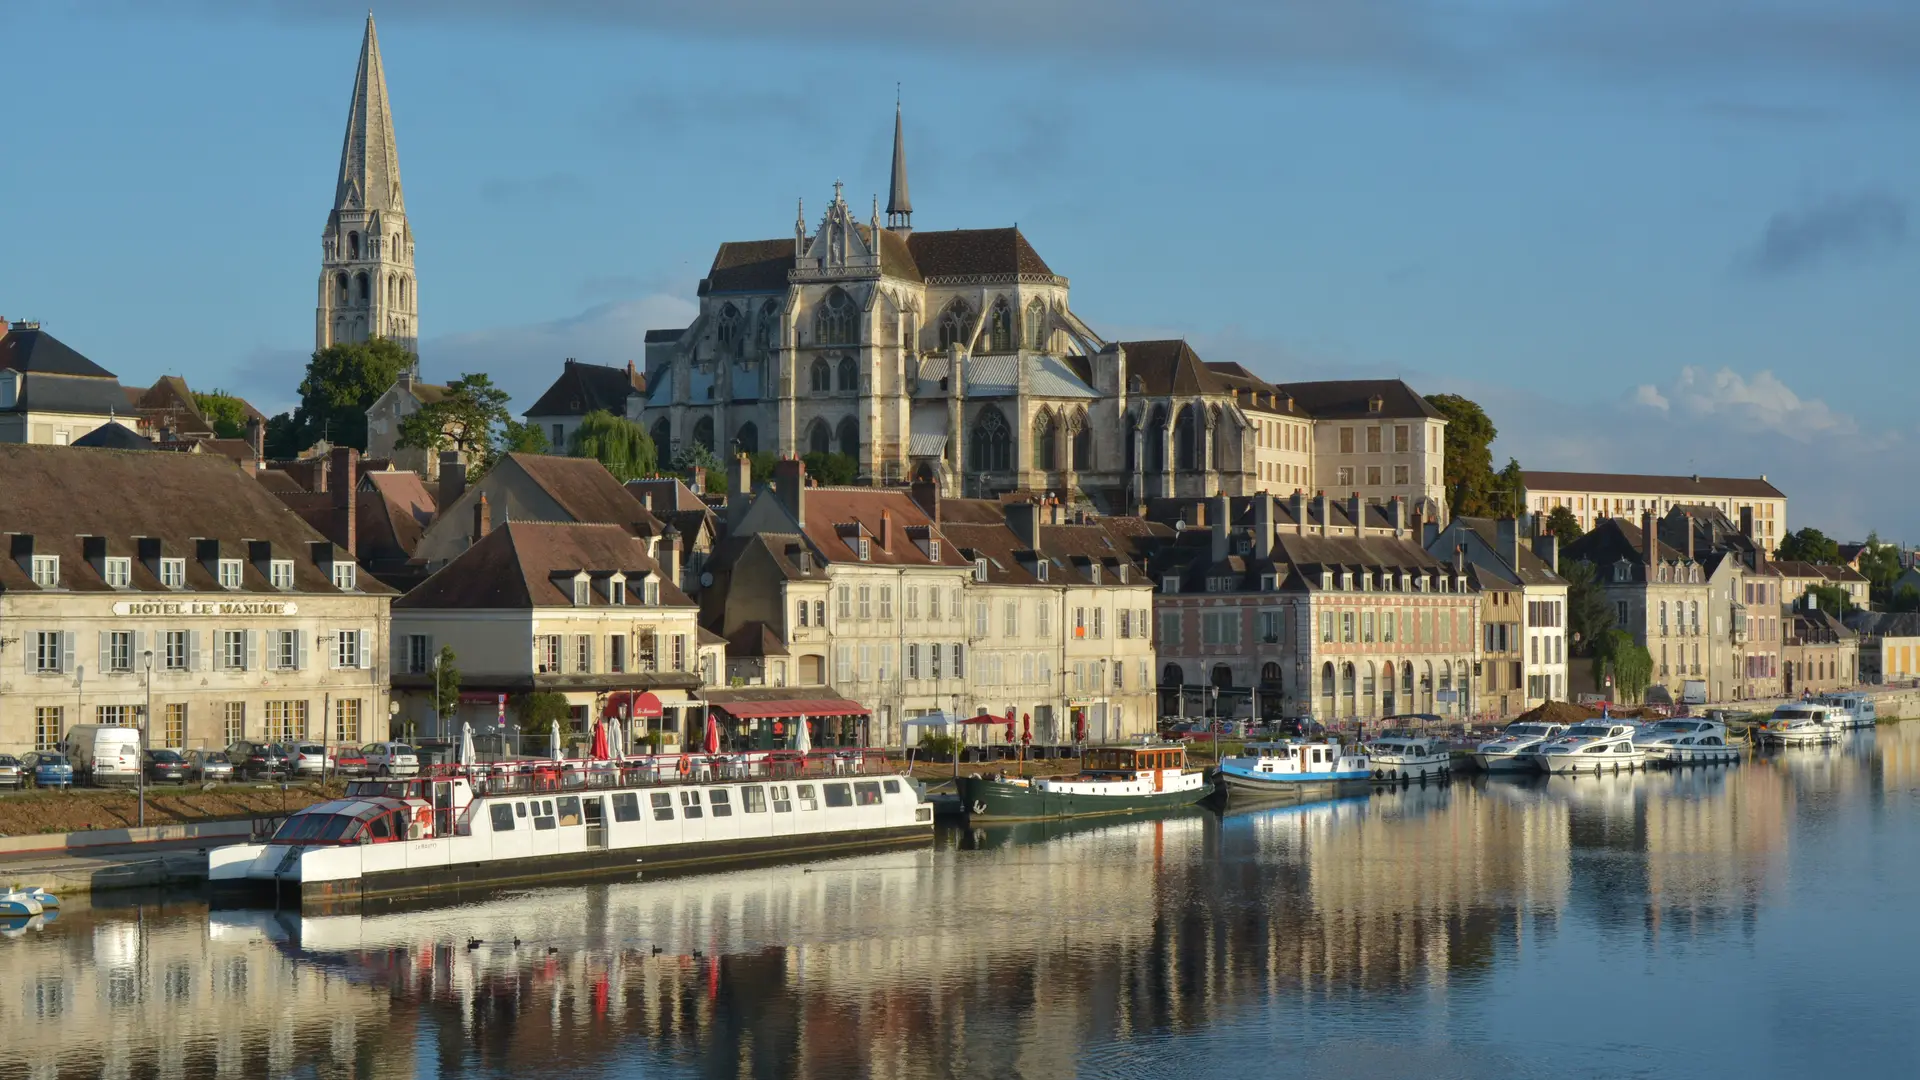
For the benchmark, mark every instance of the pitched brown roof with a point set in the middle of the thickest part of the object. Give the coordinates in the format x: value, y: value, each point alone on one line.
x: 1170, y: 367
x: 587, y: 491
x: 750, y: 266
x: 1685, y: 487
x: 976, y: 252
x: 830, y: 507
x: 755, y: 638
x: 513, y: 567
x: 168, y: 402
x: 584, y: 388
x: 1352, y: 399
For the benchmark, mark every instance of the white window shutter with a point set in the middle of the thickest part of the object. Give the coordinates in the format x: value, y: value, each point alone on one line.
x: 67, y: 640
x: 193, y: 651
x: 253, y: 650
x: 366, y: 648
x: 300, y: 649
x: 105, y: 656
x: 333, y: 652
x: 141, y: 643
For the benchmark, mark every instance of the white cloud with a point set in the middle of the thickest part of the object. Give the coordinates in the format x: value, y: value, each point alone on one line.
x: 1760, y: 399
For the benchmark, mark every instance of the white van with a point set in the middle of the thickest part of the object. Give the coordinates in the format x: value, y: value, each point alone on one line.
x: 103, y: 753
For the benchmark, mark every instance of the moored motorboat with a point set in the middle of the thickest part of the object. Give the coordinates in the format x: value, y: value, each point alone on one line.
x: 20, y: 904
x: 1603, y: 745
x: 1509, y: 751
x: 1294, y: 770
x: 1396, y: 757
x: 1802, y: 723
x: 1687, y: 741
x: 1852, y: 709
x: 1112, y: 780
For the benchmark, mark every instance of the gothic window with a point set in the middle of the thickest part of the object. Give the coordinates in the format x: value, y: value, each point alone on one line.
x: 1186, y: 439
x: 703, y: 432
x: 340, y: 282
x: 1045, y: 441
x: 1132, y: 435
x: 1157, y: 440
x: 992, y: 442
x: 769, y: 324
x: 1037, y: 325
x: 1000, y: 327
x: 727, y: 331
x: 747, y: 439
x: 363, y: 286
x: 849, y: 376
x: 663, y: 437
x: 820, y: 378
x: 1082, y: 443
x: 849, y: 437
x: 819, y: 438
x: 954, y: 323
x: 833, y: 322
x: 1219, y: 430
x: 353, y: 245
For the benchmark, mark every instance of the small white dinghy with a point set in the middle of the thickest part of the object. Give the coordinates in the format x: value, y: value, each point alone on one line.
x: 18, y: 903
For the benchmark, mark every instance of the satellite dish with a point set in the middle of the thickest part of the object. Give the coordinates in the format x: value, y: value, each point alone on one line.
x: 706, y: 578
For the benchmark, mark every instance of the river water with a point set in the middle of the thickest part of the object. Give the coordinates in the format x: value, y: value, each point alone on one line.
x: 1757, y: 920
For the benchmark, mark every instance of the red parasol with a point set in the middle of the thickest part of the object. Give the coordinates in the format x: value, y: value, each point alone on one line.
x: 1026, y: 727
x: 1080, y: 729
x: 713, y: 734
x: 1009, y: 723
x: 599, y: 751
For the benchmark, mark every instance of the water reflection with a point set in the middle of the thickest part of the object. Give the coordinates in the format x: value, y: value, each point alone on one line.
x: 1410, y: 927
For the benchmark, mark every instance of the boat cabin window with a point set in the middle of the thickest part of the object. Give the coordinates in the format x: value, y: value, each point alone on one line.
x: 502, y: 816
x: 570, y: 810
x: 892, y: 786
x: 690, y: 807
x: 1587, y: 729
x: 782, y: 799
x: 838, y: 794
x: 626, y: 806
x: 867, y: 792
x: 805, y: 793
x: 662, y: 805
x: 519, y: 809
x: 380, y: 829
x: 719, y: 801
x: 543, y: 814
x: 753, y: 799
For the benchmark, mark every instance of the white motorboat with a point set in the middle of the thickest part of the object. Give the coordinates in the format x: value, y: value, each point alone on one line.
x: 1509, y: 752
x: 1295, y: 769
x: 1802, y: 723
x: 1857, y: 708
x: 1396, y: 757
x: 1603, y: 745
x: 1686, y: 741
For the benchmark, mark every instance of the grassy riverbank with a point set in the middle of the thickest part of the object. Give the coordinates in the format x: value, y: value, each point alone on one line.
x: 35, y: 812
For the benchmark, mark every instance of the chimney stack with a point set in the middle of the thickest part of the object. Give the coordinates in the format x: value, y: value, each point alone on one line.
x: 1263, y: 526
x: 1459, y: 559
x: 482, y: 519
x: 453, y: 479
x: 926, y: 495
x: 1221, y: 511
x: 344, y: 463
x: 886, y: 529
x: 790, y: 484
x: 670, y: 554
x: 1689, y: 520
x: 1299, y: 506
x: 1399, y: 516
x: 699, y: 484
x: 1649, y: 540
x: 739, y: 492
x: 257, y: 439
x: 1508, y: 531
x: 1547, y: 546
x: 1357, y: 513
x: 1023, y: 519
x: 1320, y: 510
x: 1200, y: 513
x: 1746, y: 522
x: 1219, y: 530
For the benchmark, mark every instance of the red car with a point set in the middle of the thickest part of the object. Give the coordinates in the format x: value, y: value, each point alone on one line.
x: 346, y: 761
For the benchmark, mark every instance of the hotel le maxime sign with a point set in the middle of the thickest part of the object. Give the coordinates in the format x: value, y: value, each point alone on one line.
x: 150, y: 608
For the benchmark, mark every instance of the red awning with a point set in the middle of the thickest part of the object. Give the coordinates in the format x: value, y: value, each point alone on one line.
x: 641, y: 705
x: 759, y: 710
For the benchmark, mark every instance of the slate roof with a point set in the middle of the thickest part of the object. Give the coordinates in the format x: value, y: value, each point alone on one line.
x: 38, y: 352
x: 584, y: 388
x: 512, y: 567
x: 1352, y: 399
x: 1169, y: 368
x: 761, y: 266
x: 1615, y: 539
x: 1885, y: 624
x: 114, y: 437
x: 169, y: 403
x: 1533, y: 570
x: 1679, y: 486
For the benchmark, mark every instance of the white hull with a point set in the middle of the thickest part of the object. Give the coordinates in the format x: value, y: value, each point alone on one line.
x: 1394, y: 771
x: 1692, y: 755
x: 1575, y: 764
x: 1498, y: 763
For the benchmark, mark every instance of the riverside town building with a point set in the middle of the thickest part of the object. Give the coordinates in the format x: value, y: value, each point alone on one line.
x: 178, y: 580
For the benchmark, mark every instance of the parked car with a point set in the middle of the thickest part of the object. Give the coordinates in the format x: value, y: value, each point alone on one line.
x: 391, y: 759
x: 166, y: 766
x: 103, y: 753
x: 258, y: 761
x: 347, y: 760
x: 1299, y: 727
x: 10, y: 772
x: 48, y: 768
x: 209, y: 766
x: 308, y: 758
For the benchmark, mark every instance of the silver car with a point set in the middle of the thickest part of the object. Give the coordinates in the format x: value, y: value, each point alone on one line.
x: 209, y: 766
x: 307, y: 758
x: 10, y: 774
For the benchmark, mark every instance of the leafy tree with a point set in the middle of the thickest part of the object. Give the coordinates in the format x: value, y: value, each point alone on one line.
x: 1589, y: 614
x: 1808, y: 545
x: 1629, y: 662
x: 539, y: 711
x: 623, y: 446
x: 517, y: 437
x: 227, y: 414
x: 762, y: 464
x: 1510, y: 489
x: 446, y: 684
x: 1564, y: 525
x: 1906, y: 598
x: 466, y: 419
x: 342, y: 381
x: 1879, y: 564
x: 1831, y: 599
x: 832, y: 469
x: 283, y: 437
x: 695, y: 456
x: 1469, y: 468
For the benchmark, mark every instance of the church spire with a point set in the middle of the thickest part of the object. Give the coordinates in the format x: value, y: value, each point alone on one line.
x: 369, y: 159
x: 899, y: 204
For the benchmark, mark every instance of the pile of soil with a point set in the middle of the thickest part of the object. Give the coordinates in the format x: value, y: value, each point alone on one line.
x: 112, y: 808
x: 1557, y: 712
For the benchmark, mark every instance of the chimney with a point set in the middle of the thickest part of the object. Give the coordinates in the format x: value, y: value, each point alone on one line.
x: 482, y: 518
x: 699, y: 484
x: 1459, y: 559
x: 646, y: 501
x: 1320, y: 510
x: 1263, y: 526
x: 316, y: 475
x: 1299, y: 512
x: 1357, y: 514
x: 1429, y: 532
x: 1689, y: 520
x: 1219, y: 529
x: 926, y: 495
x: 1649, y: 539
x: 1200, y: 514
x: 344, y: 463
x: 1508, y: 531
x: 1221, y: 512
x: 1547, y: 546
x: 739, y: 492
x: 1023, y: 518
x: 670, y: 554
x: 1746, y: 522
x: 1398, y: 516
x: 257, y: 438
x: 886, y: 529
x: 790, y: 484
x: 453, y: 479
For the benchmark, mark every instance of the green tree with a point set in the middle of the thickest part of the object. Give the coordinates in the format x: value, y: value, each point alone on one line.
x: 539, y: 711
x: 762, y: 464
x: 1629, y: 662
x: 517, y: 437
x: 446, y: 684
x: 696, y: 456
x: 1808, y: 545
x: 1879, y: 564
x: 623, y: 446
x: 1564, y: 525
x: 1831, y: 599
x: 1469, y: 469
x: 342, y: 381
x: 466, y: 419
x: 832, y: 469
x: 1906, y: 598
x: 1510, y: 489
x: 283, y: 437
x: 227, y: 414
x: 1589, y: 613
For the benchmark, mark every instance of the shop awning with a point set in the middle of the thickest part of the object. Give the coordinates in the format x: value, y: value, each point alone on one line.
x: 811, y: 707
x: 640, y: 705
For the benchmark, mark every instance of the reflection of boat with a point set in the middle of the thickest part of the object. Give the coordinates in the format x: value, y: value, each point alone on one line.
x: 1396, y: 757
x: 1687, y: 741
x: 986, y: 836
x: 1113, y: 780
x: 1508, y: 752
x: 1601, y: 745
x: 1802, y: 723
x: 1294, y: 770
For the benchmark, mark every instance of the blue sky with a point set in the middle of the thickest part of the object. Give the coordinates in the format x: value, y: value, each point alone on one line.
x: 1648, y: 236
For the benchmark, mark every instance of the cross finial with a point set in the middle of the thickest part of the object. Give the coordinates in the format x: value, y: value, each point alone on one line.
x: 837, y: 185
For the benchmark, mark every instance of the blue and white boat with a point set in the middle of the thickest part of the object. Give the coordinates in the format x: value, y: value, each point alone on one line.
x: 1296, y: 770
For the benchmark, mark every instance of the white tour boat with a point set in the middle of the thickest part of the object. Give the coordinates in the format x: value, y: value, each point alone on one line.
x: 1510, y: 751
x: 1687, y: 741
x: 1802, y: 723
x: 1603, y: 745
x: 1857, y: 708
x: 465, y: 828
x: 1394, y: 757
x: 1295, y: 769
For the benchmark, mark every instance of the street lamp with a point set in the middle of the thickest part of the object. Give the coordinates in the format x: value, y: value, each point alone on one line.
x: 146, y: 721
x: 393, y: 715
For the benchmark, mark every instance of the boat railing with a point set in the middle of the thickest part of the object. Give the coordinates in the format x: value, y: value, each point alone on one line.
x: 667, y: 770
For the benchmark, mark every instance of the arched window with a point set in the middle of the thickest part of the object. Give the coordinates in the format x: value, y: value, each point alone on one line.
x: 363, y: 286
x: 1406, y: 681
x: 663, y: 438
x: 992, y: 442
x: 955, y: 323
x: 353, y: 245
x: 1082, y: 443
x: 1045, y: 442
x: 340, y: 282
x: 820, y: 377
x: 1270, y: 679
x: 1171, y: 675
x: 703, y: 432
x: 1157, y: 440
x: 820, y: 438
x: 747, y: 439
x: 1218, y: 430
x: 769, y: 325
x: 727, y: 331
x: 849, y: 437
x: 1326, y: 680
x: 1222, y: 676
x: 1186, y: 440
x: 1037, y: 325
x: 833, y: 322
x: 1000, y: 327
x: 849, y: 376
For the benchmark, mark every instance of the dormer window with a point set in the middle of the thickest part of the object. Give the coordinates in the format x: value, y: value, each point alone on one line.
x: 1040, y: 571
x: 980, y: 569
x: 1376, y: 403
x: 173, y: 573
x: 280, y: 571
x: 582, y: 592
x: 1420, y: 583
x: 865, y: 547
x: 1243, y: 544
x: 933, y: 550
x: 650, y: 591
x: 1093, y: 573
x: 1621, y: 572
x: 1170, y: 583
x: 1269, y: 582
x: 230, y: 573
x: 1120, y: 573
x: 617, y: 592
x: 1326, y: 579
x: 344, y: 576
x: 119, y: 572
x: 46, y: 571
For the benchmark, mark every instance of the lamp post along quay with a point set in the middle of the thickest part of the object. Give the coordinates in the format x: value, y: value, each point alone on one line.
x: 146, y: 725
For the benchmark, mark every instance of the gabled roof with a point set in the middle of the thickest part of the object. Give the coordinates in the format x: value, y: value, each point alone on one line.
x: 1169, y: 367
x: 831, y: 508
x: 114, y: 437
x: 1613, y: 540
x: 1532, y: 570
x: 168, y: 402
x: 37, y: 352
x: 586, y: 491
x: 514, y: 566
x: 1353, y: 399
x: 755, y: 638
x: 975, y: 253
x: 584, y: 388
x: 762, y: 266
x: 1685, y: 487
